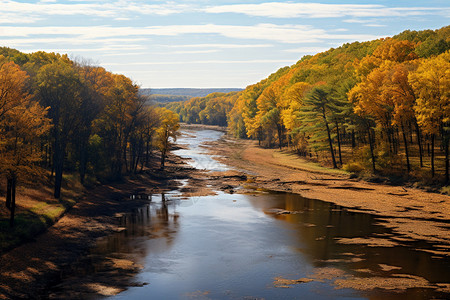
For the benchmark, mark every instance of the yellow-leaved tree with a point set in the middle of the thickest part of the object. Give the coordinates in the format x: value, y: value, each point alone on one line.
x: 168, y: 129
x: 431, y: 84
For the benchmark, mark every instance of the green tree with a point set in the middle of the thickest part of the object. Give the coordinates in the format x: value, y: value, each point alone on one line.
x: 59, y: 87
x: 315, y: 117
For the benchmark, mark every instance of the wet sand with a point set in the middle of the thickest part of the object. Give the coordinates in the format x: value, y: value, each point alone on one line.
x: 412, y: 213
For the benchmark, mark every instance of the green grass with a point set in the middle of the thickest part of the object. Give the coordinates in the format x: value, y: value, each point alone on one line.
x: 26, y: 227
x: 36, y: 211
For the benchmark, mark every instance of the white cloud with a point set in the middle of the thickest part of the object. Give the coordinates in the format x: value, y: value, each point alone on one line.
x: 60, y: 40
x: 11, y: 18
x: 268, y: 32
x: 111, y: 49
x: 221, y: 46
x: 319, y: 10
x: 193, y: 51
x: 365, y: 22
x: 307, y: 50
x: 212, y: 62
x: 16, y: 12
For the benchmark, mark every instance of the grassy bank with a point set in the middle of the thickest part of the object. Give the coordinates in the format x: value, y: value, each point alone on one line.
x: 36, y: 210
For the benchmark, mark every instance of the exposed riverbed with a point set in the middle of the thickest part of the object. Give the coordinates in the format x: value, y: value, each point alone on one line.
x: 257, y: 245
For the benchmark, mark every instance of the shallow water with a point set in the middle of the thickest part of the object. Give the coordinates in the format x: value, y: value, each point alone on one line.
x: 196, y: 155
x: 236, y: 246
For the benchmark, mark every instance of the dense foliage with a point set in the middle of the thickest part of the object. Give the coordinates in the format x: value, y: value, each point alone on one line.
x: 382, y: 105
x: 209, y: 110
x: 60, y: 115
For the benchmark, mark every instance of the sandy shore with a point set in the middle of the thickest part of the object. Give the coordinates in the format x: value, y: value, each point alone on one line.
x: 413, y: 213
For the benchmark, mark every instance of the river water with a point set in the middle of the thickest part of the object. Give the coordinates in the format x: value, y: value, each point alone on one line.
x: 263, y: 246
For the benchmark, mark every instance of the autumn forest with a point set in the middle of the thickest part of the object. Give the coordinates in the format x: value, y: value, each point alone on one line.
x: 378, y: 107
x: 58, y: 115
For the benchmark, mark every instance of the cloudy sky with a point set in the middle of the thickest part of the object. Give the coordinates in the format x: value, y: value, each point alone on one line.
x: 205, y: 43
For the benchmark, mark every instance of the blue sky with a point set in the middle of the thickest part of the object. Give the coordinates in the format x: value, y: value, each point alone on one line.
x: 205, y: 43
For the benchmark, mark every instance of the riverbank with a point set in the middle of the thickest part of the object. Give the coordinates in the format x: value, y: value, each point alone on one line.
x: 28, y: 270
x: 413, y: 213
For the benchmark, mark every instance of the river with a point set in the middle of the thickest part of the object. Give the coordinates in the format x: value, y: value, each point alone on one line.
x: 265, y: 245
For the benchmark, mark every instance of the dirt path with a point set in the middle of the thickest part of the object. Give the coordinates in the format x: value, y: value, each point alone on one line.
x: 413, y: 213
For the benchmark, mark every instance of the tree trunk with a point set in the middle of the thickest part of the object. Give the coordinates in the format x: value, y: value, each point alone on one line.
x: 405, y: 140
x: 163, y: 159
x: 371, y: 149
x: 280, y: 137
x: 339, y: 141
x: 58, y: 162
x: 13, y: 200
x: 147, y: 153
x: 8, y: 193
x: 446, y: 139
x: 432, y: 156
x: 139, y: 155
x: 390, y: 137
x: 83, y: 160
x: 419, y: 142
x: 353, y: 139
x: 124, y: 157
x: 329, y: 138
x: 58, y: 181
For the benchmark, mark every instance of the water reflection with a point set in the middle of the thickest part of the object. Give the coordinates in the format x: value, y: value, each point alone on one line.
x: 225, y: 248
x: 319, y: 226
x: 238, y: 246
x: 149, y: 222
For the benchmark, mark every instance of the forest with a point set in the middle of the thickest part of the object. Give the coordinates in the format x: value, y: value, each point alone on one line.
x: 58, y: 115
x: 376, y: 107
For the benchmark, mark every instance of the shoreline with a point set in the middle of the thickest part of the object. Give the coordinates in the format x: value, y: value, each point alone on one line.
x: 413, y: 213
x: 28, y: 270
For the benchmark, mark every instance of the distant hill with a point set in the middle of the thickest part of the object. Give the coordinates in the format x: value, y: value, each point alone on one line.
x: 166, y: 98
x: 187, y: 92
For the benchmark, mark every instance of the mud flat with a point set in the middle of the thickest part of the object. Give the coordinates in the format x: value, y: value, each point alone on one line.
x: 412, y: 213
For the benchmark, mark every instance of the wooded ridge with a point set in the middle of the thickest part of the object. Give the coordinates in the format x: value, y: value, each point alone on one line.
x: 381, y: 106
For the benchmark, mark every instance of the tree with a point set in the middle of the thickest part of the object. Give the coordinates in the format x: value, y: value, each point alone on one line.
x: 59, y: 87
x: 117, y: 120
x: 95, y: 84
x: 315, y: 115
x: 397, y: 88
x: 269, y: 113
x: 168, y: 129
x: 22, y: 123
x: 431, y: 84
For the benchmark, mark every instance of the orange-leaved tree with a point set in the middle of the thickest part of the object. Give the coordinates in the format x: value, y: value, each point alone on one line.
x: 22, y: 123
